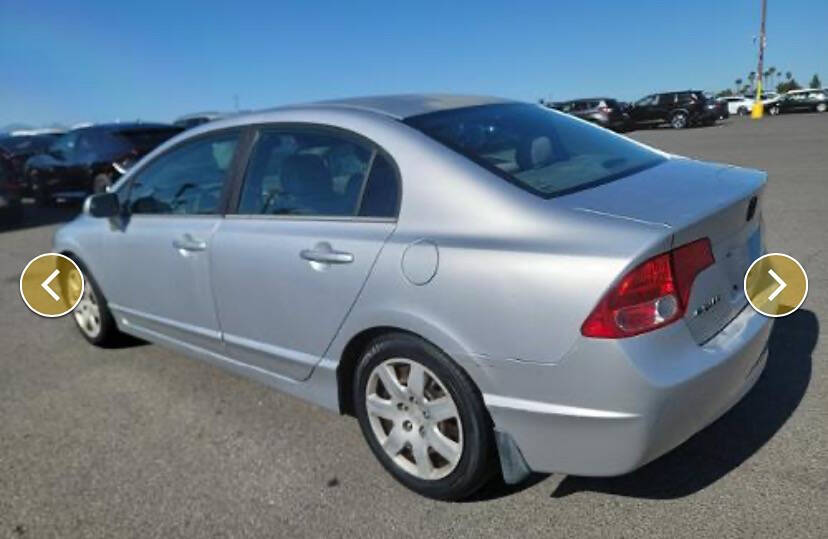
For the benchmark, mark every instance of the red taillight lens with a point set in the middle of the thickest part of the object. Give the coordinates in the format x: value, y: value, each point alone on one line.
x: 650, y: 296
x: 688, y: 261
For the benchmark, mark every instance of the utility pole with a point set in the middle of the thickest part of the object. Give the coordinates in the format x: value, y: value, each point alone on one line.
x: 758, y: 109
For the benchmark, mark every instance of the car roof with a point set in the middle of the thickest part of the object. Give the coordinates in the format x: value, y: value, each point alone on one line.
x: 403, y: 106
x: 394, y: 107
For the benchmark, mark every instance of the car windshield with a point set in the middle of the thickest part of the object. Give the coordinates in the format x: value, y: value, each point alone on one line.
x: 542, y: 151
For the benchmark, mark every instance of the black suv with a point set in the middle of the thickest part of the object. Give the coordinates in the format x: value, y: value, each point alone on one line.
x: 87, y: 159
x: 678, y: 109
x: 603, y: 111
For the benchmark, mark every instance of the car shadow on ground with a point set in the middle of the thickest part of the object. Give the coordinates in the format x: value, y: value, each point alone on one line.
x: 726, y: 444
x: 34, y: 216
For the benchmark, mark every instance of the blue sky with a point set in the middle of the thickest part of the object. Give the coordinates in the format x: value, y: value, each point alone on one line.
x: 103, y: 60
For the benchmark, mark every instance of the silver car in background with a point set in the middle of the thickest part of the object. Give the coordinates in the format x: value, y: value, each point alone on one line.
x: 488, y: 286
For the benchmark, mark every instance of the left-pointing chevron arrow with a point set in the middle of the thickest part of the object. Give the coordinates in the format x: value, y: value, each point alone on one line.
x: 45, y: 285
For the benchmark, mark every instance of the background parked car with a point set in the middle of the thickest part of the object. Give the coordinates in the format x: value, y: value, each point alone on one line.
x: 801, y: 101
x: 81, y: 161
x: 738, y: 104
x: 11, y: 208
x: 722, y: 113
x: 769, y: 99
x: 602, y: 111
x: 678, y: 109
x: 16, y: 149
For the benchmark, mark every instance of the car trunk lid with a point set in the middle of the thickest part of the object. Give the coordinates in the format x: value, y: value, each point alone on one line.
x: 695, y: 200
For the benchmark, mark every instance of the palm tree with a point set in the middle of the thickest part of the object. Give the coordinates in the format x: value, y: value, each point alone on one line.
x: 752, y: 78
x: 738, y: 84
x: 771, y: 73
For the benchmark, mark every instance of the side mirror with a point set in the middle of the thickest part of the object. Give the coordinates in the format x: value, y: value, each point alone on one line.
x: 102, y: 205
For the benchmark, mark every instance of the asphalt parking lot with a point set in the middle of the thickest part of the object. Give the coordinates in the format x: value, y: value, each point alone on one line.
x: 143, y: 442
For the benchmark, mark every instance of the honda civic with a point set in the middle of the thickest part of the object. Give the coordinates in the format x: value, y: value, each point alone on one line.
x: 488, y: 286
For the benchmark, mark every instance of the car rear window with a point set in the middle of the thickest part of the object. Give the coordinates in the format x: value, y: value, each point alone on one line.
x: 542, y: 151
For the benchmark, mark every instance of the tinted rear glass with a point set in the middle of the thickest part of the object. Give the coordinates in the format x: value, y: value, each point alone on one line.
x: 539, y: 150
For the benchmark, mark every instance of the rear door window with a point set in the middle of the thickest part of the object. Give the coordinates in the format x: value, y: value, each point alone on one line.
x: 296, y: 172
x: 381, y: 195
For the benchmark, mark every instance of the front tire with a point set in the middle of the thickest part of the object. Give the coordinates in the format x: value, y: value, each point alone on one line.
x: 92, y: 315
x: 774, y: 111
x: 822, y: 107
x: 423, y: 419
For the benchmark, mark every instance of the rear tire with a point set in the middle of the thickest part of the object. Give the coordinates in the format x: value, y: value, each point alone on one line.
x: 92, y: 316
x: 743, y: 111
x: 678, y: 120
x: 403, y: 427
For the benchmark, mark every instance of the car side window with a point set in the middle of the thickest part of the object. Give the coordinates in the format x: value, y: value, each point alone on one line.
x: 304, y: 172
x: 65, y: 145
x: 382, y: 190
x: 188, y: 179
x: 647, y: 101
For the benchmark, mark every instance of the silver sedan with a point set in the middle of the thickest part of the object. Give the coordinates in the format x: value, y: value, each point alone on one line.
x: 489, y: 286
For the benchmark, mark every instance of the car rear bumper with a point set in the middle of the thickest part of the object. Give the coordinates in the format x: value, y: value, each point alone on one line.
x: 611, y: 406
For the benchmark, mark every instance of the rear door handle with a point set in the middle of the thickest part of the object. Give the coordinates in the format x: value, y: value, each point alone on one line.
x: 188, y: 243
x: 324, y: 254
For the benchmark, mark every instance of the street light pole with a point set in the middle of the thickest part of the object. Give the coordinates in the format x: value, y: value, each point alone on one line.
x: 758, y: 109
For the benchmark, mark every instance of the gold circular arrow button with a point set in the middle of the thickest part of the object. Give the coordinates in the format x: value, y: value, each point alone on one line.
x: 776, y: 284
x: 51, y: 285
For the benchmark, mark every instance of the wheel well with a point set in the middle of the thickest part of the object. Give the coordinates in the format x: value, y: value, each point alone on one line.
x: 70, y: 254
x: 348, y: 362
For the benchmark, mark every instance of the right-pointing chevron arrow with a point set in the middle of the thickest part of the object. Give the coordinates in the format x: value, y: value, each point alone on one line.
x: 782, y: 285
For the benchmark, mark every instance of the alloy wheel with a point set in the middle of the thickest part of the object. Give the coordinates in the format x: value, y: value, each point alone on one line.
x: 87, y: 313
x: 679, y: 121
x: 414, y: 418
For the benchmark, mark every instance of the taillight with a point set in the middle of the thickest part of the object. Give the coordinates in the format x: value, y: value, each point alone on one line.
x: 651, y: 295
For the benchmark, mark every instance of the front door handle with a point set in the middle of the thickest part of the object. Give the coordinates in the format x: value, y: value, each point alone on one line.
x: 323, y: 254
x: 188, y: 243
